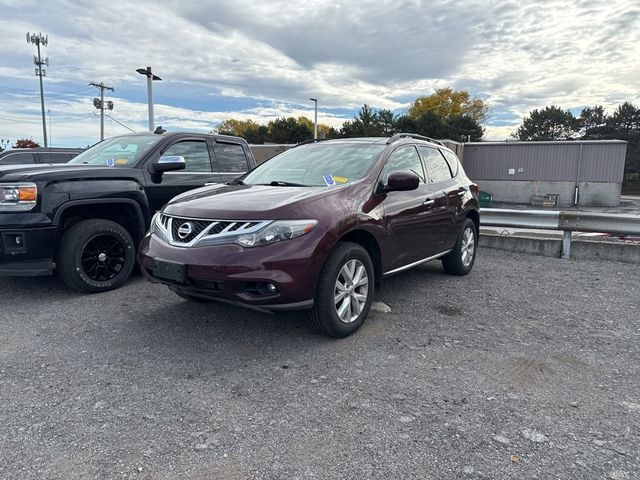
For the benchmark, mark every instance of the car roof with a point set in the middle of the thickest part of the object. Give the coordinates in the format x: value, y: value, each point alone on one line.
x: 401, y: 139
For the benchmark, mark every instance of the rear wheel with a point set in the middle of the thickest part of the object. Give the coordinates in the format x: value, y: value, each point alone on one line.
x: 461, y: 259
x: 345, y: 291
x: 95, y: 256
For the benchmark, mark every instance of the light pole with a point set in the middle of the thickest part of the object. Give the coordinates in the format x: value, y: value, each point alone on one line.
x: 315, y: 118
x: 39, y: 39
x: 150, y: 77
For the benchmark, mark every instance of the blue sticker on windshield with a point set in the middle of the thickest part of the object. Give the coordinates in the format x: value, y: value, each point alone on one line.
x: 328, y: 179
x: 111, y: 162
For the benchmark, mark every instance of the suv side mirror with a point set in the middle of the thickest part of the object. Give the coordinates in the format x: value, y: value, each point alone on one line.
x: 168, y: 163
x: 401, y: 181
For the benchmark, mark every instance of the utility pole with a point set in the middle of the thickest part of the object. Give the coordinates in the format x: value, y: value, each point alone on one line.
x: 100, y: 105
x: 39, y: 39
x: 315, y: 118
x: 150, y: 78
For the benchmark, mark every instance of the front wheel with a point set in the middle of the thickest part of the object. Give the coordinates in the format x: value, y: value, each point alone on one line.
x: 95, y: 256
x: 461, y: 259
x: 344, y: 293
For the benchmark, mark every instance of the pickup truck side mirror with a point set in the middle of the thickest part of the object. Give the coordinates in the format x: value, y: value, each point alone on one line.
x: 401, y: 181
x: 168, y: 163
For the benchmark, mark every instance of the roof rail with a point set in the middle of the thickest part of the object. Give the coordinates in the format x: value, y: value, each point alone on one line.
x: 398, y: 136
x: 311, y: 140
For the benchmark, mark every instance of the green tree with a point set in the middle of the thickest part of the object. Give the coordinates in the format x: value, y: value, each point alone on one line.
x: 446, y: 102
x: 289, y: 130
x: 592, y: 122
x: 369, y: 122
x: 549, y: 123
x: 624, y: 124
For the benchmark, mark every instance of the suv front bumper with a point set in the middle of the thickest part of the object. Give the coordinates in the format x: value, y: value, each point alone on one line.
x: 232, y: 274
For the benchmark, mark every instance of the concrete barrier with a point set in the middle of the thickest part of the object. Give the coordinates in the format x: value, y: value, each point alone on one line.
x: 551, y: 247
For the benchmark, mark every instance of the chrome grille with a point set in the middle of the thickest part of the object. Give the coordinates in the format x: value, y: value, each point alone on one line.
x: 203, y: 229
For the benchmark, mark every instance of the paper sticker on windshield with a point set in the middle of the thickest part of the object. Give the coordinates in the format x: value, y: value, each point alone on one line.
x: 340, y: 179
x: 122, y: 161
x: 328, y: 179
x: 111, y: 162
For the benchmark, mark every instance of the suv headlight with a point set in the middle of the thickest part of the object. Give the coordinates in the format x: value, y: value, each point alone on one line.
x: 276, y: 232
x: 158, y: 229
x: 18, y: 197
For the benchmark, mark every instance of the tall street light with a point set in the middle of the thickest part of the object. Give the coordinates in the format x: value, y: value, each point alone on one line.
x: 315, y: 118
x: 150, y: 77
x: 37, y: 40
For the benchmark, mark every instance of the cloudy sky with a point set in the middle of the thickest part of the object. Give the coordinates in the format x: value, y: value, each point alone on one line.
x: 262, y: 60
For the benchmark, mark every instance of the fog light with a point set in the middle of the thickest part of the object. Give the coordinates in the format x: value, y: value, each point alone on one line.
x: 18, y: 240
x: 271, y: 288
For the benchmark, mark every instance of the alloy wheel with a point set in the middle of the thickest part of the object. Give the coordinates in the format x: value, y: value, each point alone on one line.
x: 103, y: 257
x: 351, y: 290
x: 468, y: 246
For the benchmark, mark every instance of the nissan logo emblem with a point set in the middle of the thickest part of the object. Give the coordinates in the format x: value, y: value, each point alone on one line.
x: 185, y: 230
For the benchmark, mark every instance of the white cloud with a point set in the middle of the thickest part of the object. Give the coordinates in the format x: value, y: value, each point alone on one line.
x: 261, y: 60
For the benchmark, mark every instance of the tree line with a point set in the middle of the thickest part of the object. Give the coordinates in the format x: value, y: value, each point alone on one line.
x: 444, y: 114
x: 593, y: 123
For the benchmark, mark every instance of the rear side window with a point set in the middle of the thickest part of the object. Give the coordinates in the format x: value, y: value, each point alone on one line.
x: 55, y: 157
x: 17, y: 158
x: 230, y: 157
x: 452, y: 160
x: 195, y: 153
x: 437, y: 168
x: 405, y: 159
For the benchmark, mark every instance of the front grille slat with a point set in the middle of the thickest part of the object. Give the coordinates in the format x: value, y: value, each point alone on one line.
x: 183, y: 231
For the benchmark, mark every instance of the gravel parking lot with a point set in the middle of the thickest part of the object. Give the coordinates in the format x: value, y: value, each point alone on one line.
x: 527, y: 368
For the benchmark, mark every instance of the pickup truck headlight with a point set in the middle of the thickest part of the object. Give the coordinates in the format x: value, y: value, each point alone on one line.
x: 276, y: 232
x: 18, y: 197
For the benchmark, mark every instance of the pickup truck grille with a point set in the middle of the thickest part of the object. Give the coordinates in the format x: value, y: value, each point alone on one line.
x: 189, y: 231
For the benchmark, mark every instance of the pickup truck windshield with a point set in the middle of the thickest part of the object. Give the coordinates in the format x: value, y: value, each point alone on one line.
x: 318, y: 164
x: 117, y: 151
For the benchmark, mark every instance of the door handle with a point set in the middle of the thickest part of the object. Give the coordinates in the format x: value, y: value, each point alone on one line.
x: 429, y: 202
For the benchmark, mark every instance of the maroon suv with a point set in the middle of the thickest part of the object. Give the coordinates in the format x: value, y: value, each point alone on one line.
x: 317, y: 227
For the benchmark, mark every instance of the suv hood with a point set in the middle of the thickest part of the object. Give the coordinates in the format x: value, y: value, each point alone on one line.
x: 251, y: 202
x: 58, y: 171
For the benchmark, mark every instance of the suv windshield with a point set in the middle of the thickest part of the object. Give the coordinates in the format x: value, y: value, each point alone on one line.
x: 117, y: 151
x: 317, y: 164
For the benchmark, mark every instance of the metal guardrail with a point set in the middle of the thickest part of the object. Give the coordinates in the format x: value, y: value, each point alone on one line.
x: 565, y: 221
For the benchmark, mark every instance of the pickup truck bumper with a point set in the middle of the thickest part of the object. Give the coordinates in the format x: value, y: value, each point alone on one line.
x: 27, y: 251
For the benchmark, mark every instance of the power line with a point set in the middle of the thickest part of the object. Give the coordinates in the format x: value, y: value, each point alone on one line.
x: 120, y: 123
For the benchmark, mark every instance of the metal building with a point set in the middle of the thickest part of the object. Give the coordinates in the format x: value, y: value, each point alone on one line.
x: 585, y: 173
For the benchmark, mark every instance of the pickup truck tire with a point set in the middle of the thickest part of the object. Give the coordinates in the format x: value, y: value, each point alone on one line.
x: 95, y: 256
x: 345, y: 291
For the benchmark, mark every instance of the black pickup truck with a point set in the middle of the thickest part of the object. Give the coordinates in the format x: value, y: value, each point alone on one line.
x: 86, y: 217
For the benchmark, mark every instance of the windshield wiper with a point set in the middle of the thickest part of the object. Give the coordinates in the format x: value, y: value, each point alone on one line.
x: 281, y: 183
x: 236, y: 181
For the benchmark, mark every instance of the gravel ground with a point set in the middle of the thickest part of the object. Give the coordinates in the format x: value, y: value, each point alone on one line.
x: 527, y: 368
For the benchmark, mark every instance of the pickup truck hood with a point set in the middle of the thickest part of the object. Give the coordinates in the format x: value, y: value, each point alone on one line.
x: 251, y: 202
x: 62, y: 171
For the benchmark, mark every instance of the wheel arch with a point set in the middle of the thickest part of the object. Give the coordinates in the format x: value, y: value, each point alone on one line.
x: 475, y: 217
x: 124, y: 211
x: 368, y: 241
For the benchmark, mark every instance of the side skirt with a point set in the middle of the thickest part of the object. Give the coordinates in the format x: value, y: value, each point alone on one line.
x: 415, y: 264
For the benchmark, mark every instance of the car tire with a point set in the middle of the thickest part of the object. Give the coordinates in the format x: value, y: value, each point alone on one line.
x: 95, y: 256
x: 343, y: 269
x: 461, y: 259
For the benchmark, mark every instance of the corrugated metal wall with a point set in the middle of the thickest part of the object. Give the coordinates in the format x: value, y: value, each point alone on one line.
x: 586, y: 161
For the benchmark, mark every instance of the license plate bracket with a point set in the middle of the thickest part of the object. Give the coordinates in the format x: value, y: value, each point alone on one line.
x: 166, y: 270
